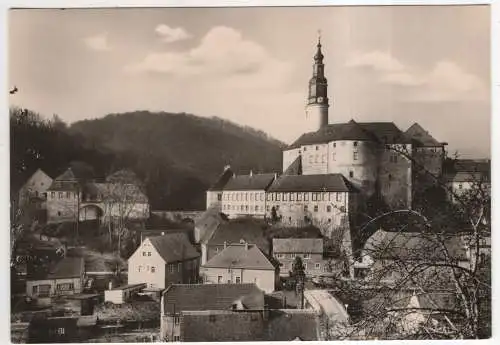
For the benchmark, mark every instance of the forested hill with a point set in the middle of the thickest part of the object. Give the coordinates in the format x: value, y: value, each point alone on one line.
x: 177, y: 155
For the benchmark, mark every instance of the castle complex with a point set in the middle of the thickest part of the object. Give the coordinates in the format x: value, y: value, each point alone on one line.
x: 331, y: 172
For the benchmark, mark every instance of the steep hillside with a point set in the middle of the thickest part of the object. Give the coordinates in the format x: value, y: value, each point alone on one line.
x: 179, y: 155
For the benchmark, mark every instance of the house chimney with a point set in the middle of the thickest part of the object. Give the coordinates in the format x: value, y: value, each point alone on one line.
x: 227, y: 167
x: 275, y: 176
x: 246, y: 245
x: 225, y: 244
x: 251, y: 173
x: 110, y: 285
x: 162, y: 233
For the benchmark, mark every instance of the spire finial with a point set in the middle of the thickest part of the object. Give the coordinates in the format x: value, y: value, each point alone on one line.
x: 319, y: 37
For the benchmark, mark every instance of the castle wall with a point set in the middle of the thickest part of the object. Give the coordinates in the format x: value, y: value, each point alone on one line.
x: 289, y: 157
x: 214, y: 199
x: 61, y: 206
x: 244, y: 203
x: 395, y: 175
x: 428, y: 158
x: 314, y: 159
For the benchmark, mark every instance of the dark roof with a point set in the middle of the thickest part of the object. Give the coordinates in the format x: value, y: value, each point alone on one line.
x: 68, y: 267
x: 245, y: 256
x: 411, y: 246
x: 184, y: 297
x: 311, y: 183
x: 174, y: 247
x: 467, y: 176
x: 249, y: 230
x: 421, y: 137
x: 222, y: 180
x: 295, y: 168
x: 471, y: 165
x: 250, y: 182
x: 67, y: 181
x: 298, y: 245
x: 208, y: 222
x: 271, y: 325
x: 352, y: 130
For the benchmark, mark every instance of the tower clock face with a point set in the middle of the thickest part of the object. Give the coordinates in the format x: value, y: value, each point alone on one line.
x: 320, y: 99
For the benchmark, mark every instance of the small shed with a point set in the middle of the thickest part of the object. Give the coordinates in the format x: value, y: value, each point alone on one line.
x: 122, y: 293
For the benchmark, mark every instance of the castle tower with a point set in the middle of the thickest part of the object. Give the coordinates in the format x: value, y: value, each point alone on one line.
x: 317, y: 100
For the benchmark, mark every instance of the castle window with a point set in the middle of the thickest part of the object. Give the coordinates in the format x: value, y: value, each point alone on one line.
x: 351, y: 173
x: 304, y: 149
x: 315, y: 208
x: 313, y: 196
x: 278, y: 196
x: 52, y: 195
x: 251, y: 197
x: 355, y: 155
x: 61, y: 195
x: 299, y: 196
x: 334, y: 144
x: 305, y: 208
x: 262, y: 196
x: 246, y: 196
x: 292, y: 196
x: 390, y: 177
x: 355, y: 143
x: 328, y: 208
x: 329, y: 220
x: 285, y: 196
x: 317, y: 148
x: 68, y: 195
x: 460, y: 186
x: 267, y: 208
x: 219, y: 197
x: 256, y: 208
x: 325, y: 196
x: 306, y: 196
x: 339, y: 197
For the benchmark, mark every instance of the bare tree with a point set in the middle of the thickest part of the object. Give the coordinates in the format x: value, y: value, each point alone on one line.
x: 124, y: 201
x: 424, y: 272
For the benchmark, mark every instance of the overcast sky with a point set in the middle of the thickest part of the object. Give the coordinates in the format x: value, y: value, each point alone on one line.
x: 426, y: 64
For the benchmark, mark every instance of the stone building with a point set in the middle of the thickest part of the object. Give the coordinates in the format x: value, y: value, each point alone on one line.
x: 34, y: 191
x: 71, y: 197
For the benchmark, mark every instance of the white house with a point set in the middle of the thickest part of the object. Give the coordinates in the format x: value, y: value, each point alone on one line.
x: 163, y: 260
x: 239, y: 264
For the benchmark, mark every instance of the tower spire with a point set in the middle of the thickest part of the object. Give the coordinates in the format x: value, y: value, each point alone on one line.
x: 317, y: 100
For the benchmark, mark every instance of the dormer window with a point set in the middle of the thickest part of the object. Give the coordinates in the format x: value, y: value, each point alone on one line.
x: 355, y: 143
x: 317, y: 148
x: 334, y: 144
x: 304, y: 149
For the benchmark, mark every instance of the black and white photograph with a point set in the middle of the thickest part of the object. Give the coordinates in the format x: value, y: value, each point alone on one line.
x: 249, y: 173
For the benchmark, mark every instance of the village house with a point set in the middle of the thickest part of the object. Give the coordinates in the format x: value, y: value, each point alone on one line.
x: 66, y: 277
x: 383, y: 251
x: 163, y: 260
x: 34, y: 192
x: 239, y: 264
x: 310, y: 250
x: 467, y: 175
x: 250, y: 325
x: 214, y: 193
x: 223, y: 234
x: 180, y: 298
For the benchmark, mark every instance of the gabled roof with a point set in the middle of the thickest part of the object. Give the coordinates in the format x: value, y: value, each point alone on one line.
x: 174, y: 247
x: 270, y: 325
x: 68, y: 267
x: 249, y: 182
x: 222, y: 180
x: 67, y: 181
x: 311, y: 183
x: 472, y: 165
x: 295, y: 168
x: 465, y: 176
x: 386, y: 132
x: 249, y: 230
x: 421, y: 137
x: 187, y: 297
x: 208, y: 222
x: 67, y: 175
x: 245, y: 256
x: 298, y: 245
